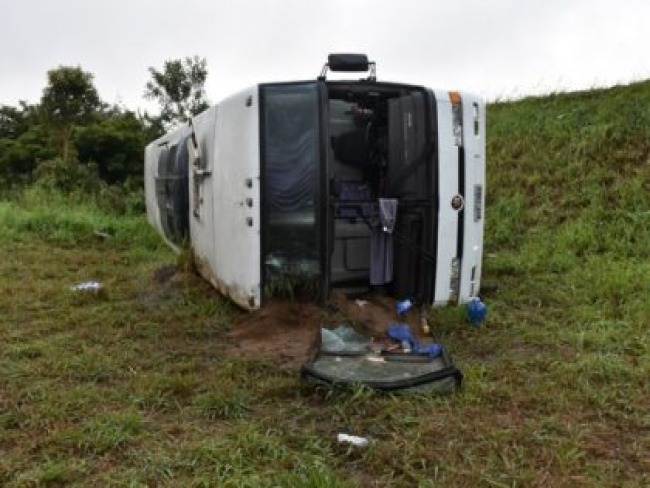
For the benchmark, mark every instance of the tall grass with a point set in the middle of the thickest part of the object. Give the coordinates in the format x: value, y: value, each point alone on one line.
x: 73, y: 219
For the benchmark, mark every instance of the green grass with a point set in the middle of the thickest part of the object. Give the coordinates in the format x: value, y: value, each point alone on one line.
x: 133, y: 386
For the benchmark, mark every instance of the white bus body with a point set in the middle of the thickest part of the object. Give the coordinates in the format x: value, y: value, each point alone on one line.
x: 281, y: 183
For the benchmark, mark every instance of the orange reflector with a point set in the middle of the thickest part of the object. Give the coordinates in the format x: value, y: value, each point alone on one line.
x: 454, y: 96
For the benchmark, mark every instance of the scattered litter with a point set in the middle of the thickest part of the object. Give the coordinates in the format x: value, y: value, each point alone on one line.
x: 346, y: 356
x: 424, y: 326
x: 87, y: 286
x: 353, y: 439
x: 289, y: 335
x: 432, y: 350
x: 403, y: 307
x: 401, y: 333
x: 361, y: 303
x: 476, y: 312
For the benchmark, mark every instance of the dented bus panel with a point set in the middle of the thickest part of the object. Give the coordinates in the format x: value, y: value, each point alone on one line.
x: 354, y: 185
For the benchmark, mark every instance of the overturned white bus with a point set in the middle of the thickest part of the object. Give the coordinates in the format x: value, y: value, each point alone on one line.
x: 342, y: 184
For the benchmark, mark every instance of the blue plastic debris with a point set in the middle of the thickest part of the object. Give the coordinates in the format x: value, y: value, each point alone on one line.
x: 402, y: 333
x: 476, y: 312
x: 432, y: 350
x: 403, y: 307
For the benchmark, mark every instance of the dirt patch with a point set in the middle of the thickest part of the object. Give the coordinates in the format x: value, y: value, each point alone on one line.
x: 283, y: 332
x: 288, y: 333
x: 371, y: 315
x: 164, y: 273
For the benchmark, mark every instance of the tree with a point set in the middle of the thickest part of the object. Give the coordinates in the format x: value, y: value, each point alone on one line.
x: 19, y: 156
x: 15, y: 121
x: 23, y: 143
x: 69, y: 99
x: 115, y: 144
x: 178, y: 89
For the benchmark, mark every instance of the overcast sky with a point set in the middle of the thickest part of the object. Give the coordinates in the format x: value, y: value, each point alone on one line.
x: 497, y: 48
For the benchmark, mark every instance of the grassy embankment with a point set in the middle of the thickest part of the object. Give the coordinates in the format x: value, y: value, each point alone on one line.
x: 131, y: 387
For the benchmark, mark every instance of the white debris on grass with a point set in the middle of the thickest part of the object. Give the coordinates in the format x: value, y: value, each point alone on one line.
x: 87, y: 286
x: 353, y: 439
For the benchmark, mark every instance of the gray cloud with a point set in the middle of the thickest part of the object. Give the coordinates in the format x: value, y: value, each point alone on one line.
x: 497, y: 48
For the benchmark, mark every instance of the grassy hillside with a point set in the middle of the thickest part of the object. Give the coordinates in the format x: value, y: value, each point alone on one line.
x: 133, y: 386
